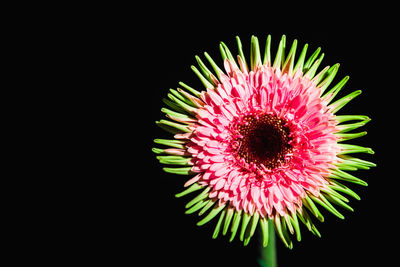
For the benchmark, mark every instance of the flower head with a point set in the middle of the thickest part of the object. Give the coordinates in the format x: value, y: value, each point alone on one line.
x: 263, y: 144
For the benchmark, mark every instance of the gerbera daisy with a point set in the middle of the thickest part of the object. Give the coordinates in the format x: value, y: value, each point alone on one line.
x: 263, y: 143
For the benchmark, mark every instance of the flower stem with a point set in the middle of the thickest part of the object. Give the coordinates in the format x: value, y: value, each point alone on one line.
x: 268, y: 253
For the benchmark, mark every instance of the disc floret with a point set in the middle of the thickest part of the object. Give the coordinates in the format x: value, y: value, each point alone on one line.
x: 262, y: 140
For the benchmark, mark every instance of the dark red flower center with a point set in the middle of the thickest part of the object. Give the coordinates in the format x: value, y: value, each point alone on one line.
x: 263, y: 139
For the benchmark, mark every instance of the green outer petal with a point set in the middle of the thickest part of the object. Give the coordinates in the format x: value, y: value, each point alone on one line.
x: 321, y: 75
x: 203, y: 79
x: 335, y: 185
x: 174, y: 160
x: 300, y: 62
x: 252, y: 228
x: 335, y: 200
x: 255, y: 57
x: 218, y: 226
x: 180, y: 171
x: 264, y: 229
x: 209, y: 204
x: 348, y: 136
x: 217, y: 70
x: 289, y: 62
x: 311, y: 72
x: 173, y: 127
x: 343, y: 118
x: 333, y: 92
x: 306, y: 220
x: 190, y: 89
x: 214, y: 212
x: 347, y: 149
x: 158, y: 150
x: 228, y: 218
x: 342, y: 175
x: 226, y: 54
x: 329, y: 191
x: 331, y: 73
x: 175, y: 106
x: 192, y: 188
x: 241, y: 54
x: 199, y: 205
x: 280, y: 54
x: 175, y: 114
x: 171, y: 142
x: 327, y: 205
x: 281, y: 230
x: 311, y: 60
x: 337, y: 105
x: 206, y: 72
x: 201, y: 196
x: 309, y: 204
x: 245, y: 221
x: 235, y: 224
x: 267, y: 52
x: 343, y: 128
x: 295, y: 223
x: 346, y: 161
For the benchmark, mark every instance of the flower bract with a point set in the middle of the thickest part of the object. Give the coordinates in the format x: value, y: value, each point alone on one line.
x: 263, y: 143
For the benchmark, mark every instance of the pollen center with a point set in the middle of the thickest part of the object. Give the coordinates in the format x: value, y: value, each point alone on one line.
x: 263, y: 139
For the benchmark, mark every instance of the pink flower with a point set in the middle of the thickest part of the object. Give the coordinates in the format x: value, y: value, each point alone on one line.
x: 264, y: 144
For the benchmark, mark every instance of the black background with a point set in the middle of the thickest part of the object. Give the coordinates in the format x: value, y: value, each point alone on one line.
x: 364, y: 45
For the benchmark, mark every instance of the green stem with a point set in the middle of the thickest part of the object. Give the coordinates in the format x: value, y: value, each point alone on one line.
x: 268, y: 254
